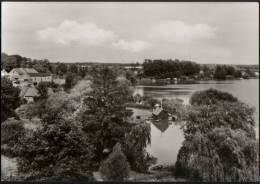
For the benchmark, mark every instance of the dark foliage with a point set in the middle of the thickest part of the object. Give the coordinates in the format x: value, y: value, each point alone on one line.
x: 11, y: 131
x: 10, y: 99
x: 220, y: 143
x: 211, y: 96
x: 169, y: 68
x: 60, y: 150
x: 115, y: 167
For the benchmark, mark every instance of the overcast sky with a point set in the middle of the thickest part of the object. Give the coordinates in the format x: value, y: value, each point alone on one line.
x: 224, y: 33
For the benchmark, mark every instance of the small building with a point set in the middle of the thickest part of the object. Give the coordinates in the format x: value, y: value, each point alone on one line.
x: 4, y: 73
x: 201, y: 72
x: 58, y: 80
x: 28, y: 75
x: 159, y: 112
x: 36, y: 78
x: 29, y: 94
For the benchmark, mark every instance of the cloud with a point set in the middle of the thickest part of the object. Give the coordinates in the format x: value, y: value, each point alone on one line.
x: 180, y: 32
x: 132, y: 46
x: 72, y: 31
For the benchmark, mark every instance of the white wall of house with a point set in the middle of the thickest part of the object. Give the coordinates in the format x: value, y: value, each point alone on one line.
x: 29, y: 99
x: 41, y: 79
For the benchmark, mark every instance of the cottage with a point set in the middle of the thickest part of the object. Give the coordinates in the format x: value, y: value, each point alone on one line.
x: 159, y: 112
x: 23, y: 76
x: 4, y: 73
x: 29, y: 94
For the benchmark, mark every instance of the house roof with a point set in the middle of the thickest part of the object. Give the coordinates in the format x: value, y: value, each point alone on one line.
x: 157, y: 111
x: 24, y: 71
x: 39, y: 74
x: 31, y: 92
x: 23, y: 90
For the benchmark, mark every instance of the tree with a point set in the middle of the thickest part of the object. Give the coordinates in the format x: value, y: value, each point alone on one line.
x: 70, y: 81
x: 43, y: 89
x: 220, y: 142
x: 115, y: 167
x: 61, y: 69
x: 10, y: 99
x: 105, y: 118
x: 135, y: 147
x: 59, y: 151
x: 73, y: 68
x: 220, y: 72
x: 131, y: 77
x: 11, y: 132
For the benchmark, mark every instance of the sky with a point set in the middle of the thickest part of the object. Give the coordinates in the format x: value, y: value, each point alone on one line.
x: 205, y: 32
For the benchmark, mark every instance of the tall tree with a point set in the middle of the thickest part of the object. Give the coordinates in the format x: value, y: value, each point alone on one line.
x: 105, y: 118
x: 10, y: 99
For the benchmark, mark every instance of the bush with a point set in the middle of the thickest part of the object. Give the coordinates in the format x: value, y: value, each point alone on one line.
x: 115, y: 167
x: 211, y: 96
x: 59, y: 150
x: 11, y: 131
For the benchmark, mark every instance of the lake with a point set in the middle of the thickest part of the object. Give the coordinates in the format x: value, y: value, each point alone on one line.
x: 166, y: 140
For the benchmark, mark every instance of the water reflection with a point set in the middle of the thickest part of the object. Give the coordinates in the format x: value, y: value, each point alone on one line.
x: 167, y: 138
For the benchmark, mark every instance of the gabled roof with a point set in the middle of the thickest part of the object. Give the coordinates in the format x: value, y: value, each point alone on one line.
x: 23, y: 90
x: 39, y: 74
x: 24, y: 71
x: 157, y: 111
x: 31, y: 92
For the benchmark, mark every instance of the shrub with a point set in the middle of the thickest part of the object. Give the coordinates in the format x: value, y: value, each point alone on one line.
x: 11, y: 131
x: 115, y: 167
x: 57, y: 150
x: 211, y: 96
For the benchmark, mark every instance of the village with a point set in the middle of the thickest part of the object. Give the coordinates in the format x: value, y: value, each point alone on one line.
x: 129, y: 92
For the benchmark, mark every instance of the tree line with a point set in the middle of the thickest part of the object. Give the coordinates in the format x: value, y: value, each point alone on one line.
x: 162, y: 69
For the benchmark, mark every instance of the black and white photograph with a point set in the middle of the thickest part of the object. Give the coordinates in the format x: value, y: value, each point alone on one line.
x: 129, y: 91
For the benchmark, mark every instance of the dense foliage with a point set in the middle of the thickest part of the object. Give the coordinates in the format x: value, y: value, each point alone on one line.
x: 135, y: 147
x: 11, y: 131
x: 105, y: 117
x: 222, y: 71
x: 169, y: 68
x: 211, y: 96
x: 10, y: 99
x: 115, y: 167
x: 84, y: 124
x: 57, y: 150
x: 220, y: 143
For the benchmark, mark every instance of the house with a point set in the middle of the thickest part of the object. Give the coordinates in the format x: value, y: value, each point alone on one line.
x: 29, y: 93
x: 159, y: 112
x: 58, y: 80
x: 24, y: 76
x: 4, y: 73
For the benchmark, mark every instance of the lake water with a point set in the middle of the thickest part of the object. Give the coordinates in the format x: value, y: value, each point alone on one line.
x: 166, y: 139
